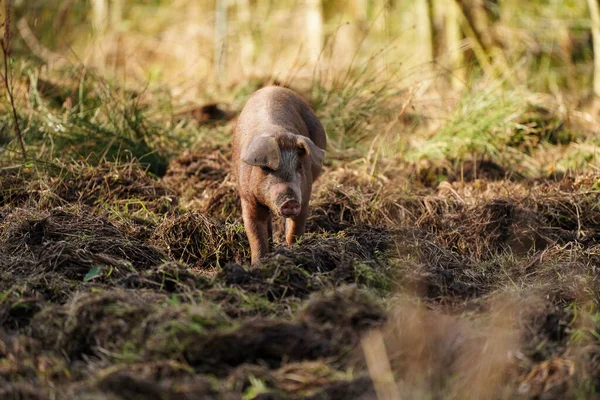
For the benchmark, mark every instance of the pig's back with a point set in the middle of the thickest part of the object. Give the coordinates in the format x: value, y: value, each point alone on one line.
x: 277, y: 107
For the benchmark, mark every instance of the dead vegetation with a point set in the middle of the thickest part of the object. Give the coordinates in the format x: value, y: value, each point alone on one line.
x: 114, y: 282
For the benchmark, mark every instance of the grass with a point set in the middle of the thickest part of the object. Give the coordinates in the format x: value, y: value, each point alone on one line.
x: 482, y: 124
x: 350, y: 105
x: 85, y: 118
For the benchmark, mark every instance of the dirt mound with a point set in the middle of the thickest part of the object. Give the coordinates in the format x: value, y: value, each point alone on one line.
x: 72, y: 237
x: 198, y: 240
x: 125, y: 186
x: 205, y: 115
x: 13, y: 186
x: 202, y: 179
x: 314, y: 264
x: 345, y: 197
x: 93, y: 323
x: 271, y: 342
x: 106, y: 326
x: 50, y: 255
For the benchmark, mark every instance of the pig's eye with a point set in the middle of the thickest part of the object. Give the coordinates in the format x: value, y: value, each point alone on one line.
x: 266, y: 169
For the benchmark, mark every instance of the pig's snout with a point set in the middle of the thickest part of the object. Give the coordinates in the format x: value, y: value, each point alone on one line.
x: 287, y: 200
x: 290, y: 208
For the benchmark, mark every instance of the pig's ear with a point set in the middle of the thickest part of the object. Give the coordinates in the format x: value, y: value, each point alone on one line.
x: 316, y: 154
x: 262, y: 151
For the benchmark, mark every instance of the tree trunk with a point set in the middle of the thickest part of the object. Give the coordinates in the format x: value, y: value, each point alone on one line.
x: 314, y: 30
x: 244, y: 14
x: 595, y: 14
x: 360, y: 9
x: 220, y: 39
x: 453, y: 46
x: 425, y: 30
x: 99, y: 25
x: 475, y: 12
x: 116, y: 14
x: 99, y: 16
x: 489, y: 55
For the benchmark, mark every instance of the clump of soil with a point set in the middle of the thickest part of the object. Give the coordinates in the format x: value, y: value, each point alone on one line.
x: 195, y: 239
x: 94, y: 323
x: 124, y: 185
x: 68, y: 239
x: 203, y: 181
x: 13, y: 187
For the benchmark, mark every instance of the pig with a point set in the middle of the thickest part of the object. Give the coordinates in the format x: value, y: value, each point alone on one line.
x: 278, y: 148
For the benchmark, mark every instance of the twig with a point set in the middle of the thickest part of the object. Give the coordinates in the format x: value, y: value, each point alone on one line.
x: 482, y: 52
x: 5, y: 43
x: 47, y: 55
x: 379, y: 366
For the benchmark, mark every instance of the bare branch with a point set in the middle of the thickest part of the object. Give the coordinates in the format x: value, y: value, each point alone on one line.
x: 5, y: 44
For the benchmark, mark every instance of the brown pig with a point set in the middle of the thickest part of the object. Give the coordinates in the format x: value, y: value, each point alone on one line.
x: 278, y: 150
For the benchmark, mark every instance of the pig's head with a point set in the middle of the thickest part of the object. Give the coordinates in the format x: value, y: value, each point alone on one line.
x: 282, y: 166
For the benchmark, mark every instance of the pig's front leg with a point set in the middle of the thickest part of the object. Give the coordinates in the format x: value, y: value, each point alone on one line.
x: 256, y: 223
x: 294, y: 227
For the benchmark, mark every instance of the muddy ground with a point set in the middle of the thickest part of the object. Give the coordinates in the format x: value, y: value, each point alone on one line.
x: 117, y: 285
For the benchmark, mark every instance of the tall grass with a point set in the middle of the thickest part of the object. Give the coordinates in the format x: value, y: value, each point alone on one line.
x: 514, y: 128
x: 483, y: 123
x: 84, y: 117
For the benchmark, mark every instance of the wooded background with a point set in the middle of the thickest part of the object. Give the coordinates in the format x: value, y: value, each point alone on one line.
x: 193, y: 45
